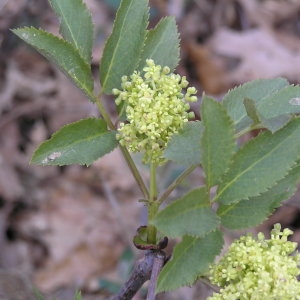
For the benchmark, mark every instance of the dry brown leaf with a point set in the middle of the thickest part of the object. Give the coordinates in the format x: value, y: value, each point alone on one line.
x: 210, y: 68
x: 14, y: 286
x: 117, y: 173
x: 267, y: 13
x: 82, y: 236
x: 261, y: 55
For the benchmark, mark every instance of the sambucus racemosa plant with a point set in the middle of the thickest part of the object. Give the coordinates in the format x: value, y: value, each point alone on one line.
x: 250, y: 180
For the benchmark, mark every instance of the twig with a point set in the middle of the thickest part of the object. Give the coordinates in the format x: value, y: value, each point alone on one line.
x: 146, y: 268
x: 175, y: 183
x: 140, y: 274
x: 158, y: 263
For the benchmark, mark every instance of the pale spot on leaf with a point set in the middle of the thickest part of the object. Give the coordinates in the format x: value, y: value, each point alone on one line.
x: 51, y: 157
x: 295, y: 101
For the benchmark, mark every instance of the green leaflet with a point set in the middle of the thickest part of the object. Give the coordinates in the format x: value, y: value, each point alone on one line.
x: 162, y: 44
x: 81, y: 143
x: 251, y: 110
x: 256, y: 90
x: 184, y: 147
x: 191, y: 215
x: 217, y: 141
x: 261, y: 163
x: 75, y: 25
x: 272, y: 124
x: 276, y: 123
x: 286, y: 101
x: 63, y: 54
x: 252, y: 212
x: 191, y: 259
x: 123, y: 48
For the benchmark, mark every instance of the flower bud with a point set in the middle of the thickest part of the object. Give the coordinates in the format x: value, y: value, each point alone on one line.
x: 156, y: 109
x: 258, y: 268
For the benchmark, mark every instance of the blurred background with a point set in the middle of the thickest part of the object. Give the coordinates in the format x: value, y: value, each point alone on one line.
x: 69, y: 228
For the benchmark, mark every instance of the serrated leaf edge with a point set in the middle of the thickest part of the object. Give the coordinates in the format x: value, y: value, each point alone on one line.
x: 55, y: 134
x: 267, y: 189
x: 161, y: 21
x: 232, y: 205
x: 195, y: 277
x: 233, y: 137
x: 83, y: 4
x: 272, y: 95
x: 109, y: 38
x: 247, y: 84
x: 78, y: 83
x: 259, y: 223
x: 186, y: 282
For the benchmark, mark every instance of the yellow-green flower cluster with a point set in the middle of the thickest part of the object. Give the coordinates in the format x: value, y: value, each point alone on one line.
x: 156, y: 108
x: 259, y: 269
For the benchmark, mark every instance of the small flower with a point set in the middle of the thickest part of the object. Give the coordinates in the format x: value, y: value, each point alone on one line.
x: 156, y: 108
x: 258, y: 269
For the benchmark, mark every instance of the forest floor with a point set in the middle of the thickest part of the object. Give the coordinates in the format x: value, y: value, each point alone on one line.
x: 71, y: 228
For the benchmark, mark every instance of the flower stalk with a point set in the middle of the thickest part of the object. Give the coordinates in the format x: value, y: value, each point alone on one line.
x: 135, y: 172
x: 152, y: 205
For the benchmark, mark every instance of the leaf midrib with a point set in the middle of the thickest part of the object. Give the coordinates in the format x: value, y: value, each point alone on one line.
x: 45, y: 51
x: 250, y: 167
x: 116, y: 48
x: 68, y: 145
x: 163, y: 22
x: 67, y: 24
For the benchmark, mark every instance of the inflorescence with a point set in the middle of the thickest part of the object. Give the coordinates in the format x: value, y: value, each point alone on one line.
x: 258, y: 269
x: 156, y: 108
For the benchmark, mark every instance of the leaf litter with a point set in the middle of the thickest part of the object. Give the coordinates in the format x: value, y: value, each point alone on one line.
x: 59, y: 226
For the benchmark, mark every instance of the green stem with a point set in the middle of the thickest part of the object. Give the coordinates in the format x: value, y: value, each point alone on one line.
x: 153, y: 205
x: 105, y: 115
x: 135, y: 172
x: 153, y: 186
x: 175, y: 183
x: 124, y: 150
x: 248, y: 129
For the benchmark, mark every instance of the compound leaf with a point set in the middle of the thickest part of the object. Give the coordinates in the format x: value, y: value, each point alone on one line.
x: 233, y: 101
x: 190, y: 215
x: 217, y: 141
x: 260, y: 164
x: 75, y: 25
x: 252, y: 212
x: 162, y: 44
x: 191, y: 259
x: 184, y: 147
x: 123, y: 48
x: 80, y: 142
x: 62, y: 53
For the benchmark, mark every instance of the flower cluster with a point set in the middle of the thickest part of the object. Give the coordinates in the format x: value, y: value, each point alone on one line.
x: 156, y: 108
x: 258, y: 269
